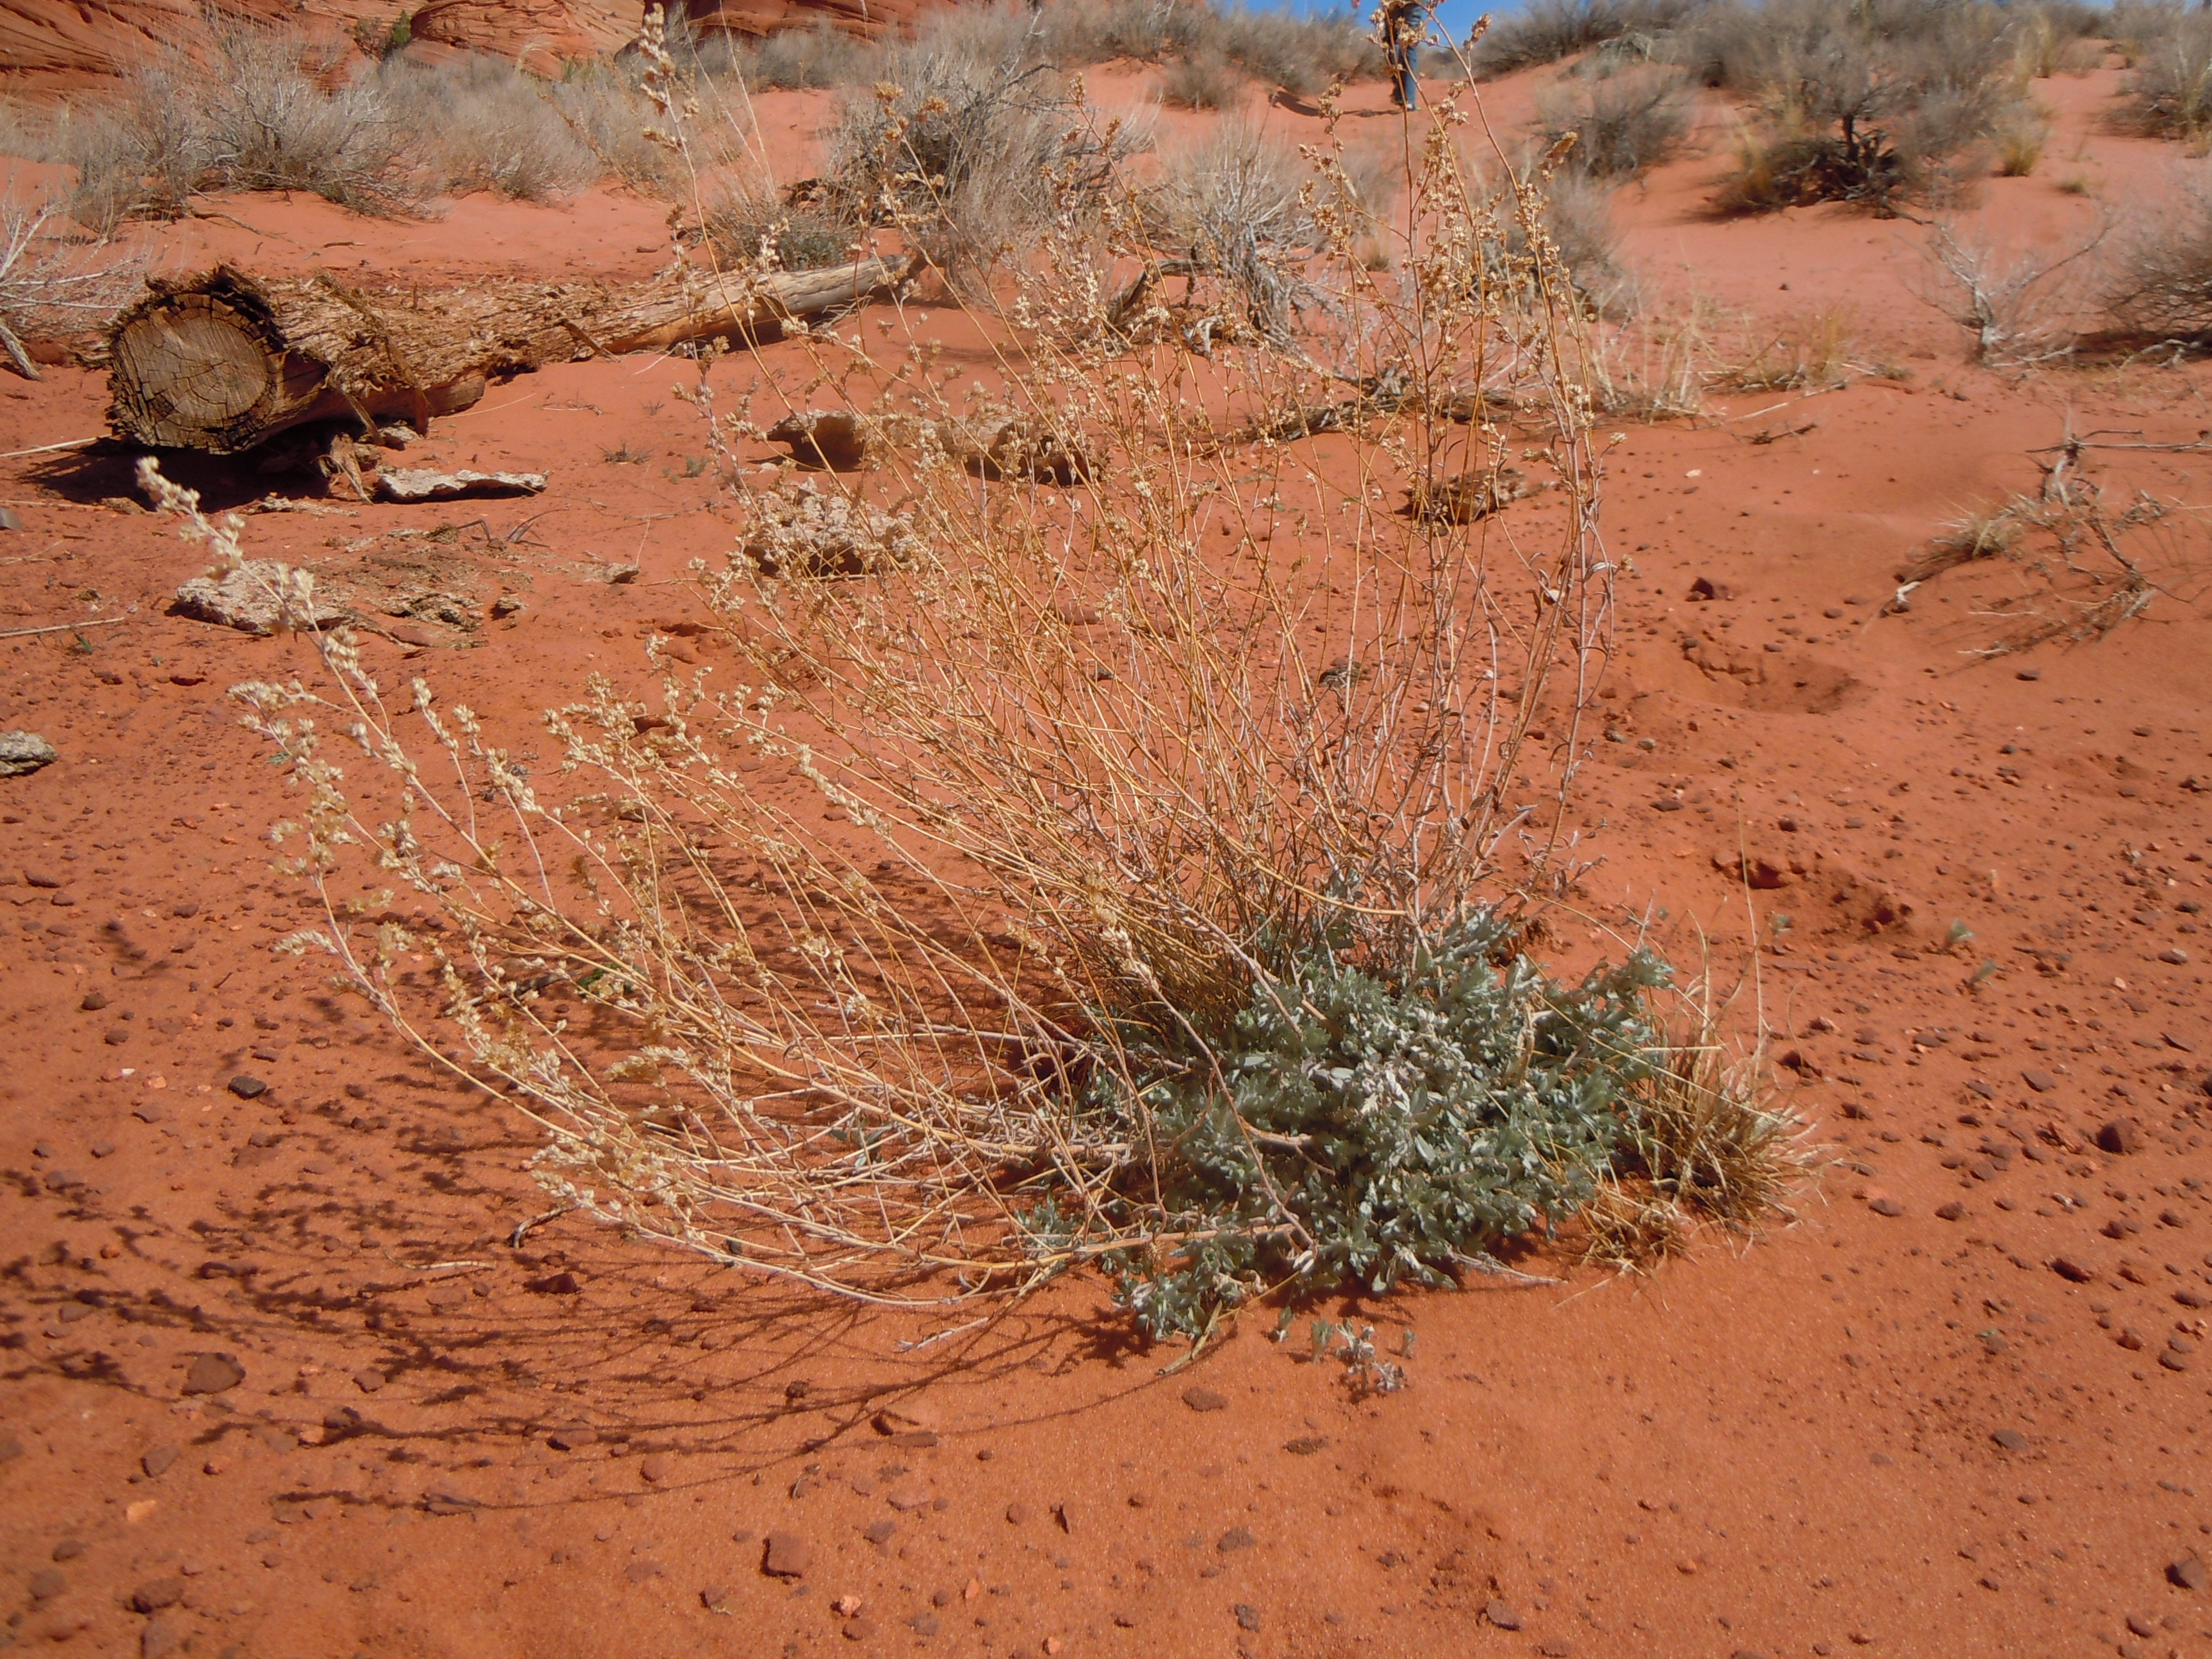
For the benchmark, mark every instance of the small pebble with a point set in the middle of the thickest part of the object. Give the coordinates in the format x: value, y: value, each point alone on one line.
x: 1502, y: 1615
x: 213, y: 1373
x: 1236, y: 1538
x: 1203, y: 1399
x: 2011, y: 1439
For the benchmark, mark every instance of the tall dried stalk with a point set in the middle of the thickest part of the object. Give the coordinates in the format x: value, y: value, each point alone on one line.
x: 1133, y: 721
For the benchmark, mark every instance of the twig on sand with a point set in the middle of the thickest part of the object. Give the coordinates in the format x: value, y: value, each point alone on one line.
x: 63, y: 628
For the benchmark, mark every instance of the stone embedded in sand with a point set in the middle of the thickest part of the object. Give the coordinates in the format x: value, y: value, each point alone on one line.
x: 2042, y: 1082
x: 1950, y: 1212
x: 69, y: 1549
x: 2010, y: 1439
x: 213, y: 1373
x: 156, y: 1594
x: 879, y: 1532
x: 247, y: 1088
x: 1203, y: 1399
x: 406, y: 485
x: 368, y: 1380
x: 247, y: 599
x: 94, y: 1001
x: 1236, y: 1538
x: 925, y: 1624
x: 1248, y: 1616
x: 655, y: 1466
x: 786, y: 1556
x: 1018, y: 1515
x: 1887, y: 1207
x: 909, y: 1495
x: 2173, y: 1359
x: 2121, y: 1137
x: 47, y: 1583
x: 116, y: 1035
x: 24, y: 752
x: 2188, y: 1573
x: 1502, y: 1615
x: 2072, y: 1272
x: 157, y: 1461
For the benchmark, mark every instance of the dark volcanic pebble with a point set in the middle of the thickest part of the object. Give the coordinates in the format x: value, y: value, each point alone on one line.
x: 247, y: 1088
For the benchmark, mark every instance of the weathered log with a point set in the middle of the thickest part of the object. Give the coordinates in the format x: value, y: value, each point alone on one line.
x: 222, y: 361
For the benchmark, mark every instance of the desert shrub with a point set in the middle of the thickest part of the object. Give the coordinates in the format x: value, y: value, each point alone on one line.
x: 486, y: 124
x: 977, y: 151
x: 819, y: 56
x: 1871, y: 103
x: 1178, y: 907
x: 2162, y: 289
x: 1206, y: 81
x: 1546, y: 31
x: 2019, y: 310
x: 261, y: 114
x: 1626, y: 123
x: 274, y: 124
x: 2170, y: 86
x: 750, y: 224
x: 48, y: 288
x: 383, y: 39
x: 1231, y: 207
x: 1370, y: 1123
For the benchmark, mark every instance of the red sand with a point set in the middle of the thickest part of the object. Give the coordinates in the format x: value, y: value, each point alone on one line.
x: 1879, y: 1428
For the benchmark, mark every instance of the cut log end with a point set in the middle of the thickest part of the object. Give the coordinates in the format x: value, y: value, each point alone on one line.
x: 223, y: 361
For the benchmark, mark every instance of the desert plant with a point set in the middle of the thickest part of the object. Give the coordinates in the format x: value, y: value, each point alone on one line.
x: 1868, y: 102
x: 2021, y: 137
x: 47, y: 288
x: 2022, y: 310
x: 2163, y: 286
x: 1176, y: 906
x: 2170, y: 85
x: 1204, y: 81
x: 486, y: 124
x: 1625, y: 123
x: 1546, y: 31
x: 973, y: 154
x: 821, y: 55
x: 748, y: 224
x: 1814, y: 352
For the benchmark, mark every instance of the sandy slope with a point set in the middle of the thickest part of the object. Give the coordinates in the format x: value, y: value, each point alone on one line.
x: 1881, y: 1428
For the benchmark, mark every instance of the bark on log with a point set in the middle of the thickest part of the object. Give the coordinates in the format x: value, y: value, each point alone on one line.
x: 221, y: 361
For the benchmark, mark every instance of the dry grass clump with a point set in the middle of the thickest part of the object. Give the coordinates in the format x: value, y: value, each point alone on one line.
x: 1204, y: 81
x: 2079, y: 566
x: 1072, y: 870
x: 1546, y: 31
x: 485, y: 124
x: 820, y: 55
x: 1705, y: 1146
x: 1626, y: 122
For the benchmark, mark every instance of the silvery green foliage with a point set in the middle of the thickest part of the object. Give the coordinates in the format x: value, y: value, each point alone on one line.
x: 1365, y: 1122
